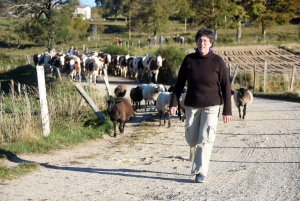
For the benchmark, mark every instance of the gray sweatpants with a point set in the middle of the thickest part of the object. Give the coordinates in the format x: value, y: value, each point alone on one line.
x: 200, y: 134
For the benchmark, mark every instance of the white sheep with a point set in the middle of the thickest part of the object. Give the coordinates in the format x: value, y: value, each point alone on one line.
x: 242, y: 97
x: 162, y: 106
x: 151, y: 92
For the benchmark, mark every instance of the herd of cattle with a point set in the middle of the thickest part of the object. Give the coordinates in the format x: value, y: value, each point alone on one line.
x: 96, y: 63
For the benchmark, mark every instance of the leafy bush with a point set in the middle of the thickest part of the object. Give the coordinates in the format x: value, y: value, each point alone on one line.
x: 225, y: 39
x: 117, y: 49
x: 173, y: 58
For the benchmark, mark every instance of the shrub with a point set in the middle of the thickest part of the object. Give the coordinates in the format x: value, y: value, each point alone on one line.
x: 117, y: 49
x: 21, y: 120
x: 173, y: 58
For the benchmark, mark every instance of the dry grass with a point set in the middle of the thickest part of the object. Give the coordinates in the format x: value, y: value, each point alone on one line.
x: 20, y: 116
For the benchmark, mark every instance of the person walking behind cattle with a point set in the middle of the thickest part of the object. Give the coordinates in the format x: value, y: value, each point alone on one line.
x: 154, y: 39
x: 208, y: 83
x: 148, y: 41
x: 120, y: 41
x: 86, y: 51
x: 161, y: 40
x: 117, y: 41
x: 71, y: 52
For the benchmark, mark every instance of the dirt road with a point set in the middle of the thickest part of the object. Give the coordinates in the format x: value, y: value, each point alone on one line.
x: 253, y: 159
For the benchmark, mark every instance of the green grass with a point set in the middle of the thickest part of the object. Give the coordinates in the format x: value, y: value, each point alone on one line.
x: 22, y: 169
x: 285, y: 96
x: 61, y: 137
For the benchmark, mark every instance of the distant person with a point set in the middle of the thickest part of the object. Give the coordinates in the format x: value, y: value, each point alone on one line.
x: 154, y: 39
x: 167, y: 39
x: 75, y: 52
x: 161, y: 40
x: 78, y: 54
x: 120, y: 41
x: 148, y: 41
x: 86, y: 51
x: 71, y: 52
x: 117, y: 41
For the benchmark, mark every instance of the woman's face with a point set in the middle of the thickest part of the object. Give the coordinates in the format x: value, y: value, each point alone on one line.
x: 203, y: 44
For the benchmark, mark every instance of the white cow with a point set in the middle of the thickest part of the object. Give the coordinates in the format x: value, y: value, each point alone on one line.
x: 94, y: 66
x: 138, y: 67
x: 152, y: 66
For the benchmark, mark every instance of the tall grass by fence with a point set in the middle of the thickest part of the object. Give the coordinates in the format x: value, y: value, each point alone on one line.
x: 264, y: 82
x: 20, y: 112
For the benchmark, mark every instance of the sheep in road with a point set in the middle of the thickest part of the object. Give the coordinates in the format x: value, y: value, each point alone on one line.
x: 136, y: 95
x: 119, y: 110
x: 242, y: 98
x: 120, y: 90
x: 151, y: 92
x: 162, y: 106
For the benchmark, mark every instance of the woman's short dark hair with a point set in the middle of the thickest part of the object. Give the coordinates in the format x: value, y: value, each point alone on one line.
x: 205, y: 32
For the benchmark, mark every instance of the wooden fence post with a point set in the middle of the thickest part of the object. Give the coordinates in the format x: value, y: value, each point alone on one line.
x: 27, y: 102
x: 235, y: 72
x: 28, y: 59
x: 293, y: 77
x: 58, y: 73
x: 3, y: 128
x: 240, y: 79
x: 245, y: 78
x: 265, y: 76
x: 12, y: 89
x: 105, y: 77
x: 89, y: 101
x: 43, y: 100
x: 19, y: 90
x: 254, y: 85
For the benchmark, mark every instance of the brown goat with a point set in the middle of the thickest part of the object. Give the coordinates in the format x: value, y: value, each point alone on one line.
x: 120, y: 90
x: 119, y: 110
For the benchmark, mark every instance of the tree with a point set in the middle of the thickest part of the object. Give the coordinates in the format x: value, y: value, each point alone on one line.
x: 44, y: 21
x: 267, y: 13
x: 216, y: 14
x: 130, y: 8
x: 153, y: 15
x: 109, y: 7
x: 78, y: 27
x: 185, y: 10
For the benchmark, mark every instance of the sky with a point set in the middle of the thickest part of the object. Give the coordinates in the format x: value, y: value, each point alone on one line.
x: 90, y: 3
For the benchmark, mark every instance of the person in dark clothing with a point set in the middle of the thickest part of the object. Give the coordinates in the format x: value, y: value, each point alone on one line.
x: 148, y: 41
x: 207, y: 86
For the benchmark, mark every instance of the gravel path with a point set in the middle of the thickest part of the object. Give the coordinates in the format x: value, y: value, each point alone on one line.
x: 253, y: 159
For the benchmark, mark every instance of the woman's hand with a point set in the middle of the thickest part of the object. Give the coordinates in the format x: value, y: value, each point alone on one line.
x: 173, y: 111
x: 227, y: 118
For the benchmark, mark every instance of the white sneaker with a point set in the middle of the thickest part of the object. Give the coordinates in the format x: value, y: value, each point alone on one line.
x: 200, y: 178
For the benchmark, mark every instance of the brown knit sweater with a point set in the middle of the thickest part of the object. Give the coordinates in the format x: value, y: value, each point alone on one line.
x: 202, y: 74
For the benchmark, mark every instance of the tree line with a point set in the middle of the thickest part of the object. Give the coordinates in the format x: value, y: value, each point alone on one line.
x: 152, y: 15
x: 45, y: 20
